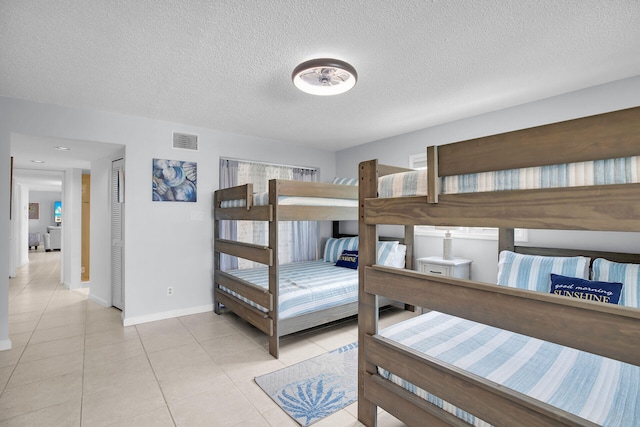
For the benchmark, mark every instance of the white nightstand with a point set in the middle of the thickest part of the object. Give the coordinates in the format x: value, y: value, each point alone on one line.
x: 457, y: 267
x: 437, y: 266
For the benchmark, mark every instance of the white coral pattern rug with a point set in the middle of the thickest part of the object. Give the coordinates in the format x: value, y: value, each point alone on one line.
x: 311, y: 390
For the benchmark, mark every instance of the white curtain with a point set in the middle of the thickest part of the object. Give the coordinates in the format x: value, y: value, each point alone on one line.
x: 297, y: 242
x: 305, y: 233
x: 228, y: 229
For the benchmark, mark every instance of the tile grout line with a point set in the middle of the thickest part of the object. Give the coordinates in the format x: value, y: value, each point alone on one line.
x: 231, y: 379
x: 155, y: 376
x: 84, y: 359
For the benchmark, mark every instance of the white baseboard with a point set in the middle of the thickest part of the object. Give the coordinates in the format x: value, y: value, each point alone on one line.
x: 99, y: 301
x: 136, y: 320
x: 82, y: 285
x: 5, y: 344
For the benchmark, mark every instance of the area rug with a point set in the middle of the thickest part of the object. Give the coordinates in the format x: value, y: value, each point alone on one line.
x: 311, y: 390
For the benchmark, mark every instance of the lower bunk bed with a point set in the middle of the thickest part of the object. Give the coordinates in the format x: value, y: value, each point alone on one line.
x: 477, y: 365
x: 311, y: 293
x: 511, y: 353
x: 592, y: 388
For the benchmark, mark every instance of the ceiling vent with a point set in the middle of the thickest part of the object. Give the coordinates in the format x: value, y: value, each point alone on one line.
x: 185, y: 141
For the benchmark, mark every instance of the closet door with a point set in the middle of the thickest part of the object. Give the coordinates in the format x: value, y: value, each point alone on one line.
x: 117, y: 233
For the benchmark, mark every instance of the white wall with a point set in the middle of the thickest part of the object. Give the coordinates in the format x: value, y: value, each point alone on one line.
x: 396, y: 150
x: 20, y: 224
x: 5, y: 245
x: 166, y: 244
x: 72, y: 228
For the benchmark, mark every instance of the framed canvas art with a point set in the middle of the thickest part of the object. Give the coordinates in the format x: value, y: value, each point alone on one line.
x: 174, y: 181
x: 34, y: 210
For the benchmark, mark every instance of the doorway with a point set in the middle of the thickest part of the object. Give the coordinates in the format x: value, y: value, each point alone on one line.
x: 71, y: 159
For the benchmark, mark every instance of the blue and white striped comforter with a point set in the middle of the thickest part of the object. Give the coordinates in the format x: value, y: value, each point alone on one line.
x: 306, y: 286
x: 604, y: 391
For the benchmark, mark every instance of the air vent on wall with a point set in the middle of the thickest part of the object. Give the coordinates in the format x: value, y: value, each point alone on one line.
x: 185, y: 141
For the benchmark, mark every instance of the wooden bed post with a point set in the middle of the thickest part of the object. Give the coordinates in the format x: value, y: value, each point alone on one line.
x: 506, y: 239
x: 408, y: 258
x: 409, y: 242
x: 335, y: 230
x: 433, y: 187
x: 274, y: 339
x: 367, y: 303
x: 216, y: 254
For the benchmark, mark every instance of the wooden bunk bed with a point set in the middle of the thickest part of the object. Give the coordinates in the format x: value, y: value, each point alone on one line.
x: 606, y: 330
x: 318, y: 205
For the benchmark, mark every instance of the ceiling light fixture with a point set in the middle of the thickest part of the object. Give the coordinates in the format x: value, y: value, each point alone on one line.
x: 61, y: 148
x: 37, y: 161
x: 324, y: 76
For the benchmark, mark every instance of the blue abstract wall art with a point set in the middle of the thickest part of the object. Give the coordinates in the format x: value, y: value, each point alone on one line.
x: 174, y: 181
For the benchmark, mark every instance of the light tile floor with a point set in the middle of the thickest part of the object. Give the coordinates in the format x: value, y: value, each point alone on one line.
x: 73, y: 363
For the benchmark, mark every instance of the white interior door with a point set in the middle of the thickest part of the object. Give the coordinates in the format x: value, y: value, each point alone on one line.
x: 117, y: 233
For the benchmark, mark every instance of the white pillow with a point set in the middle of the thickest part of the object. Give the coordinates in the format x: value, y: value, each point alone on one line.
x: 399, y: 257
x: 386, y: 252
x: 391, y: 254
x: 533, y: 272
x: 627, y: 274
x: 402, y: 184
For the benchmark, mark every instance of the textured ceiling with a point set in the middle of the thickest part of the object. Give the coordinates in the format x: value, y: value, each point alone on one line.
x: 227, y: 65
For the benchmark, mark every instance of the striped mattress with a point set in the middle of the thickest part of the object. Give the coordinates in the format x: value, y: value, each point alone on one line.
x: 414, y: 183
x: 305, y: 287
x: 600, y: 172
x: 609, y: 390
x: 262, y: 199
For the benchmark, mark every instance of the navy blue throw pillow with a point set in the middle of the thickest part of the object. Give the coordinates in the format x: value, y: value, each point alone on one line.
x: 573, y: 287
x: 348, y: 259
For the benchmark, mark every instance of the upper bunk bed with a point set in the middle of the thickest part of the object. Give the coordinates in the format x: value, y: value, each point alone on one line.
x: 289, y: 200
x: 254, y: 294
x: 454, y: 392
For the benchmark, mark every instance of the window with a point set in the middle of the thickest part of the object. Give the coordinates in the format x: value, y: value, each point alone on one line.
x: 419, y: 161
x: 521, y: 235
